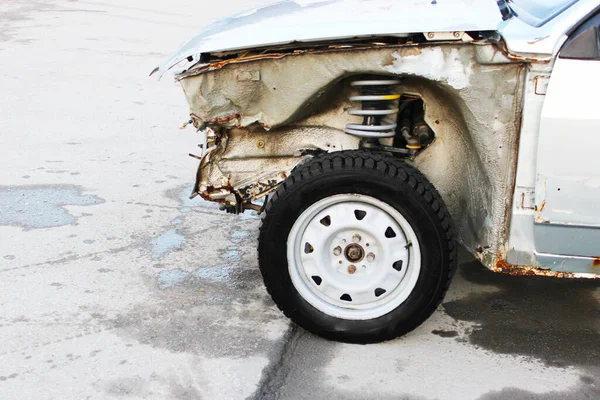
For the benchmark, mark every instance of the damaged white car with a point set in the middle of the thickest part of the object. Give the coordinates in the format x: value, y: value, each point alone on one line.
x: 383, y: 132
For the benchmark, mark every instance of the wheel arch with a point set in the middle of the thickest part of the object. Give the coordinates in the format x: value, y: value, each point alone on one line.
x: 472, y: 104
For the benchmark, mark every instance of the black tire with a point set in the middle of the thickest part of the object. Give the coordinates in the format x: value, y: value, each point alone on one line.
x: 385, y: 178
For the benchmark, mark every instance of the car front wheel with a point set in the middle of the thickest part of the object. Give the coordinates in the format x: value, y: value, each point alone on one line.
x: 356, y: 246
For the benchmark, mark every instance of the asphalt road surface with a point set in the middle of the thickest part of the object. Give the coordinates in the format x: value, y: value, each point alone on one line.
x: 114, y: 285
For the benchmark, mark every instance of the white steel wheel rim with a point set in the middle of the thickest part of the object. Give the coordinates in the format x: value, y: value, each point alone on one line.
x: 376, y: 270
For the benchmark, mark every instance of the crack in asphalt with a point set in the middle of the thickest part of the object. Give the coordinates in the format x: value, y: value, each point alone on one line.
x: 70, y: 258
x: 275, y: 374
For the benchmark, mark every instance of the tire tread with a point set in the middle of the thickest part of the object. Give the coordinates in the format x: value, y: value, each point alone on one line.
x: 376, y: 163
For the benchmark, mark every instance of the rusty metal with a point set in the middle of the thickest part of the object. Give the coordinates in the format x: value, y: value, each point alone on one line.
x: 354, y: 252
x: 258, y: 189
x: 222, y: 63
x: 216, y: 194
x: 291, y: 51
x: 538, y: 212
x: 473, y: 102
x: 544, y: 59
x: 268, y: 157
x: 294, y: 51
x: 540, y: 83
x: 249, y: 206
x: 518, y: 270
x: 222, y: 119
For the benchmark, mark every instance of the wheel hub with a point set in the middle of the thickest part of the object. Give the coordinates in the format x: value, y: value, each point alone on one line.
x: 354, y: 252
x: 348, y: 256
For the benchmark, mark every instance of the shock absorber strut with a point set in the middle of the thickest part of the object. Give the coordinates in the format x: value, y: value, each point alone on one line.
x: 378, y: 103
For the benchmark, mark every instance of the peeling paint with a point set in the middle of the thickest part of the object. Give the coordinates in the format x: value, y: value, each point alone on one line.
x: 435, y: 64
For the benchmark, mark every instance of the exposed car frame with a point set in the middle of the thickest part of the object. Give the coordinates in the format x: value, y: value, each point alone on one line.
x: 265, y: 104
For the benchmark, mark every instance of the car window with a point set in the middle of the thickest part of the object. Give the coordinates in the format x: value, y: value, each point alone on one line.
x: 584, y: 42
x: 538, y: 12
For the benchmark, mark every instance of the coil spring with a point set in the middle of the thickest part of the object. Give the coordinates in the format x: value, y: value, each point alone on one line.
x: 378, y: 102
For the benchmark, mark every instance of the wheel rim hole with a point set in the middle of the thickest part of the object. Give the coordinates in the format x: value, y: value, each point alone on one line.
x: 389, y: 233
x: 379, y: 292
x: 326, y: 221
x: 359, y: 214
x: 308, y: 248
x: 398, y: 265
x: 317, y: 280
x: 346, y: 297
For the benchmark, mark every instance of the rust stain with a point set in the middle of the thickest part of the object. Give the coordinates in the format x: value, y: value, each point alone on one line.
x: 414, y: 48
x: 515, y: 57
x: 258, y: 189
x: 596, y: 266
x: 538, y: 213
x: 220, y: 64
x: 412, y: 51
x: 223, y: 119
x: 205, y: 194
x: 516, y: 270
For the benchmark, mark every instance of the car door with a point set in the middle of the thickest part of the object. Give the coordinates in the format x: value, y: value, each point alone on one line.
x: 568, y: 165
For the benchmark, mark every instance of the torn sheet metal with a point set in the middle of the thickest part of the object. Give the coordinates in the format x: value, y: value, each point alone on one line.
x: 251, y: 163
x: 472, y: 98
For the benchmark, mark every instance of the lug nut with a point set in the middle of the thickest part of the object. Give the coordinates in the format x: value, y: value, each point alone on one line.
x: 351, y: 269
x: 337, y: 251
x: 356, y: 238
x: 370, y: 257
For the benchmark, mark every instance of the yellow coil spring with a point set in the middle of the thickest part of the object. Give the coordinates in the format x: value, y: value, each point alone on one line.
x: 377, y: 105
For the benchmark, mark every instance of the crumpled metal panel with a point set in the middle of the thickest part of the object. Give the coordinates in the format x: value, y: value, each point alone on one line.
x: 473, y: 103
x: 250, y: 163
x: 295, y: 21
